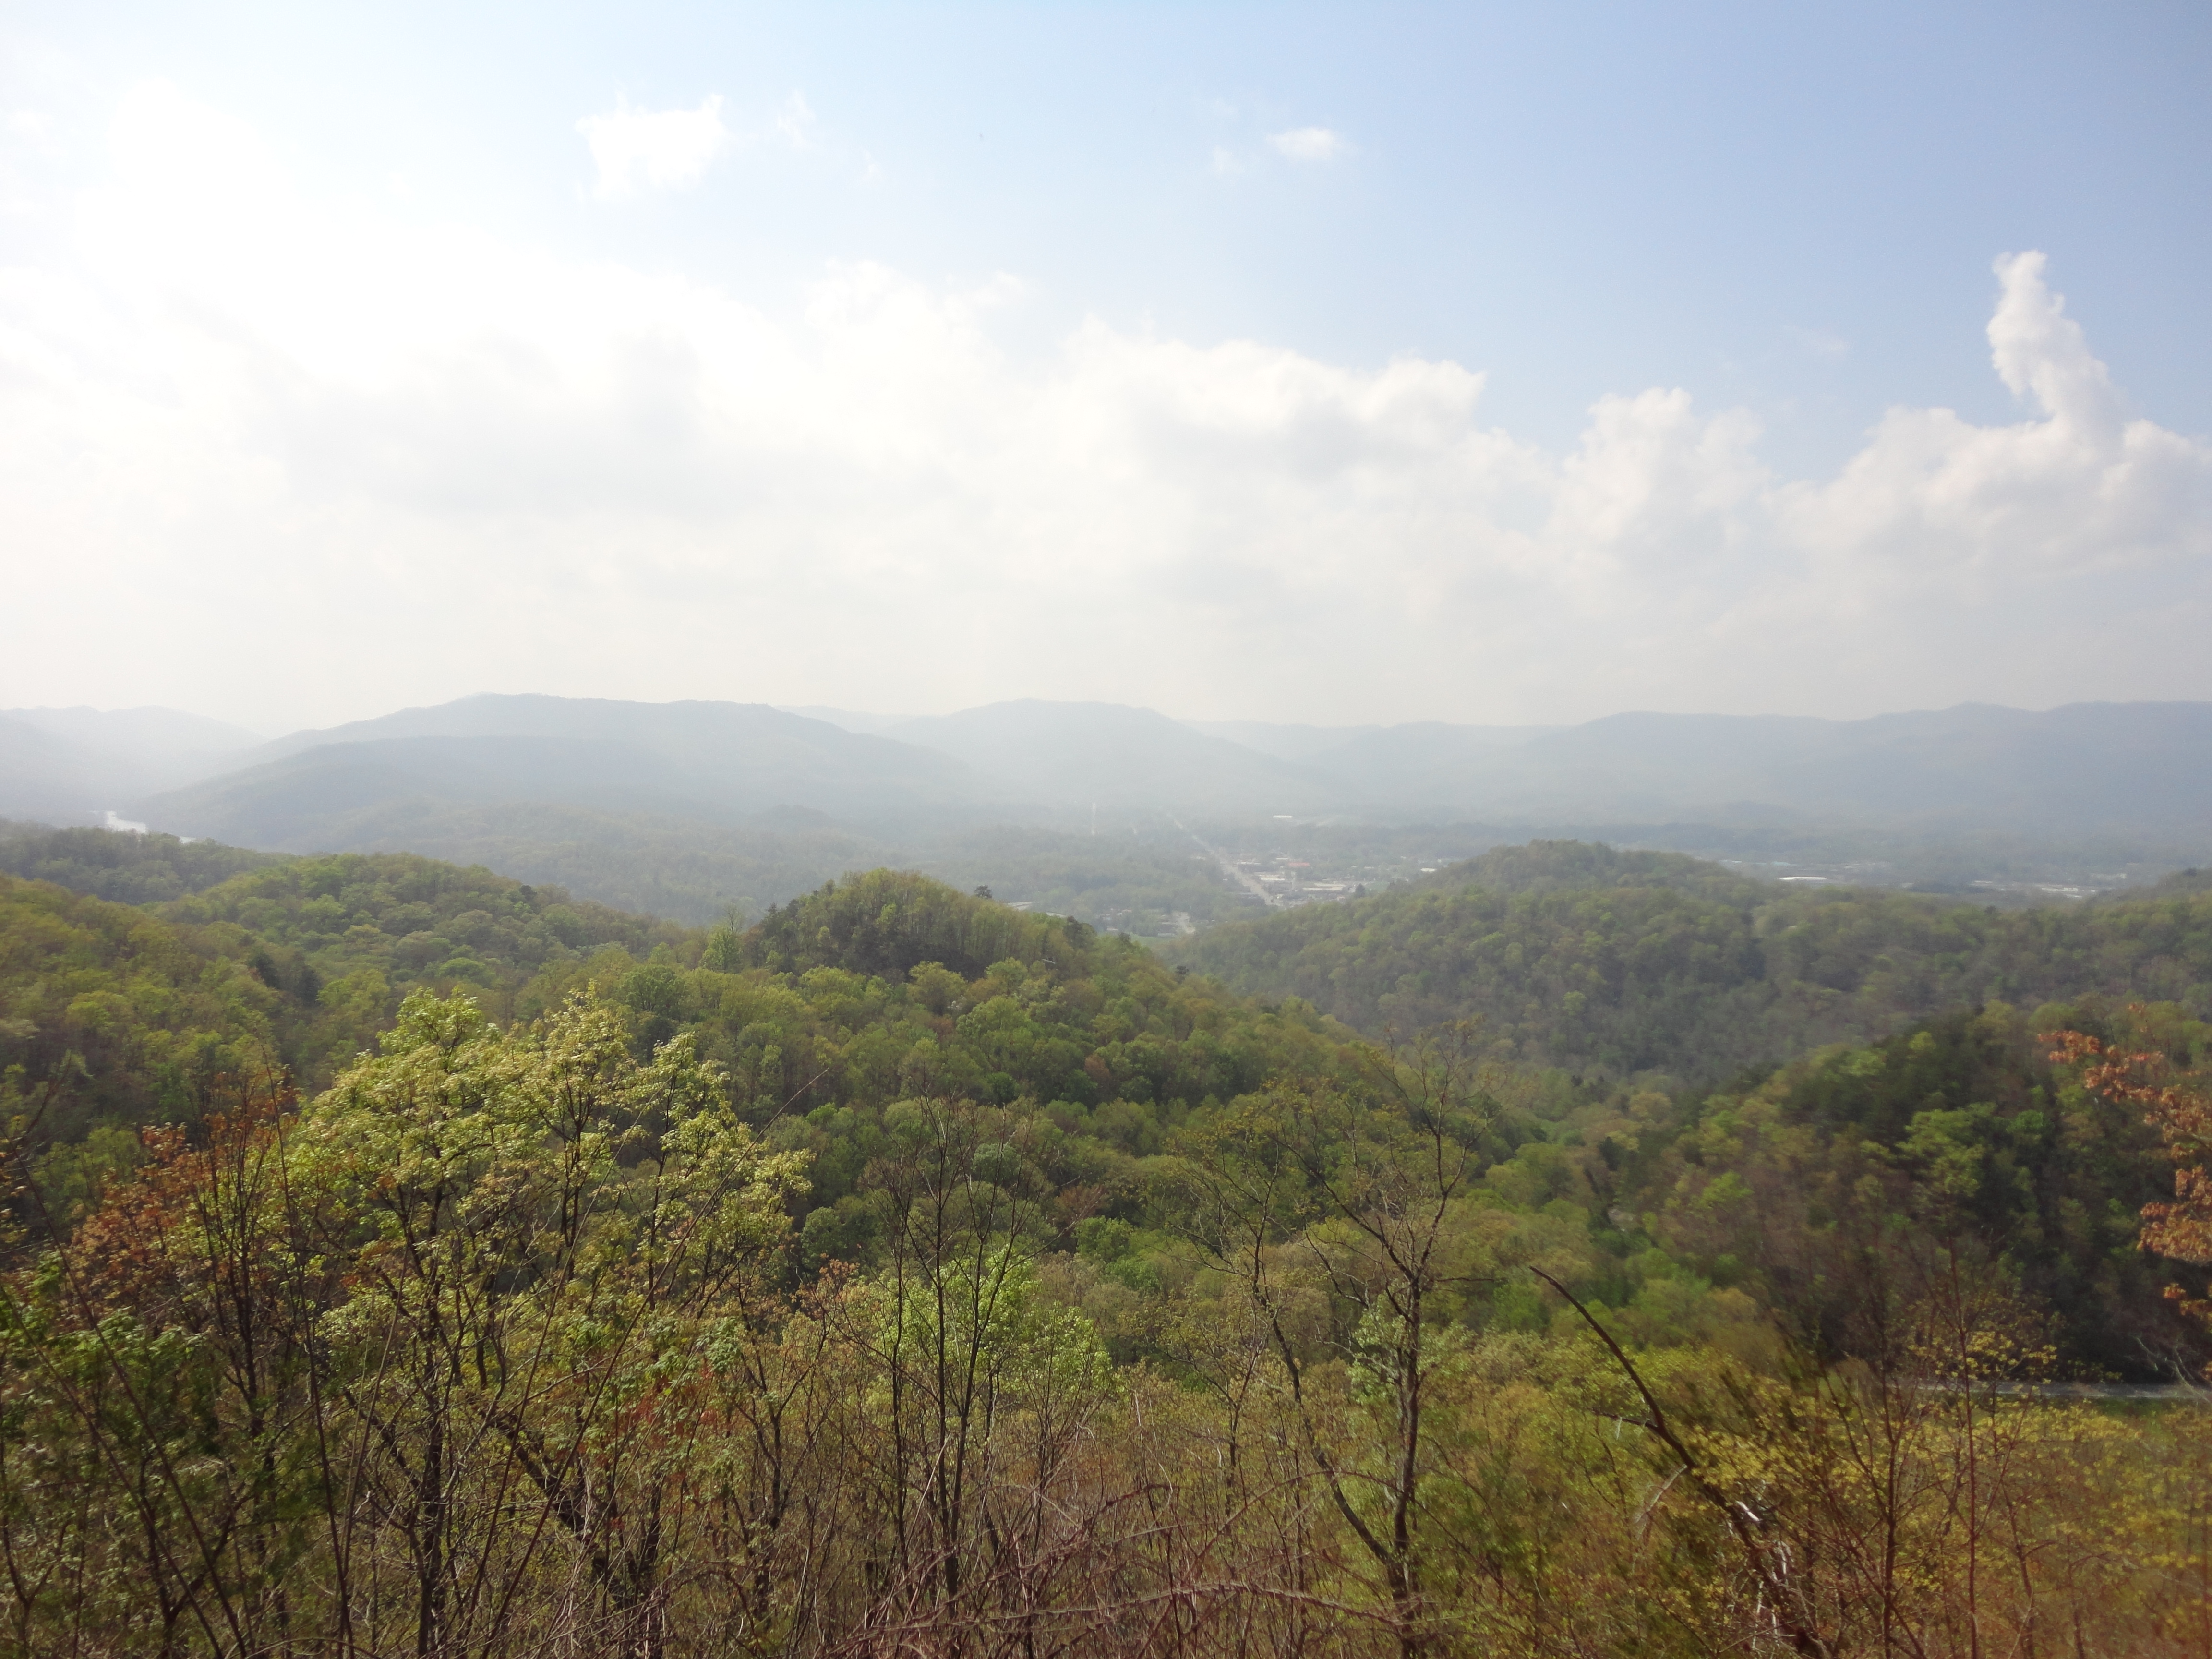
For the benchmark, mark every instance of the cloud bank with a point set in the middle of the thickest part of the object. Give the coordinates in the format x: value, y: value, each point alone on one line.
x: 653, y: 149
x: 283, y: 459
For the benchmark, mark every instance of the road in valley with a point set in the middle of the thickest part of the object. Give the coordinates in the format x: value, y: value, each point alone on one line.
x: 1250, y: 883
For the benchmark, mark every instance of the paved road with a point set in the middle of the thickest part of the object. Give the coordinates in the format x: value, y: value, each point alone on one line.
x: 1249, y: 884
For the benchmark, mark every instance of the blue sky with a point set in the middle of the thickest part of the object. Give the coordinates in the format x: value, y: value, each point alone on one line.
x: 1374, y: 363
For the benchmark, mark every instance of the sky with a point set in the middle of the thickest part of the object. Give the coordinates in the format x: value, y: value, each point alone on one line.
x: 1341, y: 364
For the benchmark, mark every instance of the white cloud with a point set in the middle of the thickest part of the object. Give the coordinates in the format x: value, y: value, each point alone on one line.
x: 1309, y: 143
x: 659, y: 150
x: 2040, y: 352
x: 1936, y: 505
x: 262, y: 450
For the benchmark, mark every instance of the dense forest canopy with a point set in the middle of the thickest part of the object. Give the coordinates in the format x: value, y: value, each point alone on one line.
x: 1457, y: 1271
x: 1588, y: 958
x: 120, y: 1015
x: 120, y: 1018
x: 130, y: 869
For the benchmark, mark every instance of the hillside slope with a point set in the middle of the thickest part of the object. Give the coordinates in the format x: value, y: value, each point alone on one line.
x: 127, y: 868
x: 713, y: 762
x: 123, y: 1014
x: 1581, y: 956
x: 111, y: 1014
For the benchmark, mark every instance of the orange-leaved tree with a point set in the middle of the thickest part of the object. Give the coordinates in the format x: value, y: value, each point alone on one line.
x: 2178, y: 1103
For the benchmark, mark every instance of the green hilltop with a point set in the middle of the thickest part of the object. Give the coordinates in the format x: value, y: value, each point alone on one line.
x: 764, y: 1223
x: 1587, y: 958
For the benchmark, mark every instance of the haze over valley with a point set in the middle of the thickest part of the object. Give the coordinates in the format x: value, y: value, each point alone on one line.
x: 689, y: 809
x: 1028, y: 831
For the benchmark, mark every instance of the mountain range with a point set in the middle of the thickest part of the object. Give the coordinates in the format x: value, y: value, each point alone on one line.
x: 2081, y: 767
x: 582, y: 765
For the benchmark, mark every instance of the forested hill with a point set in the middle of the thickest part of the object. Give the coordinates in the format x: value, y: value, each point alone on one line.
x: 887, y: 987
x: 757, y: 1232
x: 133, y: 869
x: 122, y: 1014
x: 1581, y: 956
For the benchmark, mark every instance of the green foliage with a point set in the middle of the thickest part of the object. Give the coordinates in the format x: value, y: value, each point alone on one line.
x: 348, y: 935
x: 110, y: 1016
x: 833, y: 1014
x: 458, y: 1129
x: 129, y: 869
x: 412, y: 918
x: 1843, y: 1180
x: 121, y: 1016
x: 887, y: 921
x: 1582, y: 956
x: 1106, y: 1047
x: 905, y: 1263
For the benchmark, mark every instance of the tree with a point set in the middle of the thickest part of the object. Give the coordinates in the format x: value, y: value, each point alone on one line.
x: 543, y: 1236
x: 985, y: 1388
x: 2179, y: 1108
x: 1314, y: 1187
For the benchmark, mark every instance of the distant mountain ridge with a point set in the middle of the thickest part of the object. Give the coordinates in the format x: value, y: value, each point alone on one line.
x: 2138, y: 767
x: 711, y: 761
x: 2078, y: 767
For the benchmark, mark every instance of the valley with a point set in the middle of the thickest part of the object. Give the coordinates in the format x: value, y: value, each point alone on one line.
x: 1186, y: 1132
